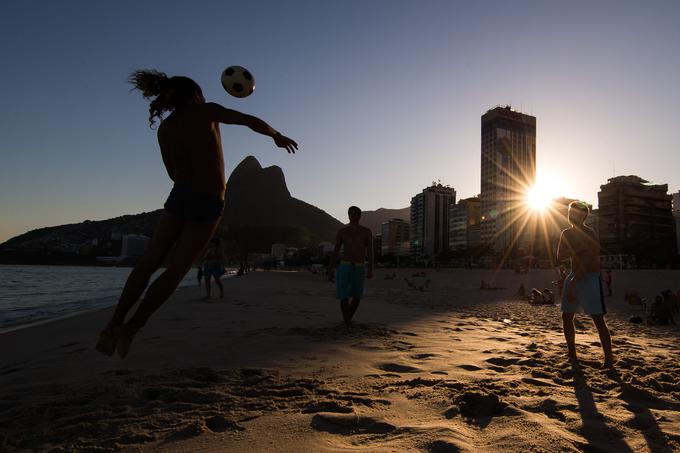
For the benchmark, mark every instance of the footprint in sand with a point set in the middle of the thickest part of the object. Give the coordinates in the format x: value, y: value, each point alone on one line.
x: 398, y: 368
x: 423, y: 356
x: 470, y: 367
x: 442, y: 446
x: 350, y: 424
x: 443, y: 373
x: 500, y: 361
x: 68, y: 345
x: 538, y: 382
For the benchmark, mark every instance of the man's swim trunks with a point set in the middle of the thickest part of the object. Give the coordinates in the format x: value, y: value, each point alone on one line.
x: 190, y: 205
x: 349, y: 280
x: 213, y: 270
x: 587, y: 294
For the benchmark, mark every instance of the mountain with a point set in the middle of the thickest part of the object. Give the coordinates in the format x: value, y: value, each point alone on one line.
x: 374, y: 219
x: 259, y: 211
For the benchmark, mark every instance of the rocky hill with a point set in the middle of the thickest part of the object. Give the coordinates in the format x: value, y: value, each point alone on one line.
x: 259, y: 210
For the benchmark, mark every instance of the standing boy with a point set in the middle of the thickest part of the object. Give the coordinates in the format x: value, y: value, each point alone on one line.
x: 349, y: 281
x: 582, y: 287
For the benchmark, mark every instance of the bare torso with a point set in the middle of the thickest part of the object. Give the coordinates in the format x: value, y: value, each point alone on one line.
x: 356, y: 240
x: 191, y: 147
x: 582, y: 246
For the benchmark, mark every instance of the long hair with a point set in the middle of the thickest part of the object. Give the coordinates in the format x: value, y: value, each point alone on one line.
x: 168, y: 93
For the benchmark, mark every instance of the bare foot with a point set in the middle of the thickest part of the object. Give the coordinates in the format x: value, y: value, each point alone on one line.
x: 106, y: 344
x: 608, y: 364
x: 124, y: 335
x: 573, y: 359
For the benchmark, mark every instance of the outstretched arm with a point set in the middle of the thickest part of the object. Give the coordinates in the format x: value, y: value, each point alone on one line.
x: 227, y: 116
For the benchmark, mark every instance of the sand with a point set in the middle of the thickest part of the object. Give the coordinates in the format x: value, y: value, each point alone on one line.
x: 271, y: 368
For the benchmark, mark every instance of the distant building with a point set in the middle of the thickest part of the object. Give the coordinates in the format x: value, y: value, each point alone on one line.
x: 464, y: 224
x: 636, y: 218
x: 395, y: 234
x: 429, y: 229
x: 508, y: 171
x: 278, y: 251
x: 133, y: 246
x: 325, y: 248
x: 377, y: 246
x: 676, y: 203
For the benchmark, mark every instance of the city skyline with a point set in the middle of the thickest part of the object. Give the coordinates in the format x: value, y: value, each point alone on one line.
x: 394, y: 110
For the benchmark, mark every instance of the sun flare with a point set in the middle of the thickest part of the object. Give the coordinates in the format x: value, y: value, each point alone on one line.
x: 540, y: 196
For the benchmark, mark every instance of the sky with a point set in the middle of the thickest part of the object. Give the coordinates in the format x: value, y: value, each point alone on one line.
x: 383, y: 97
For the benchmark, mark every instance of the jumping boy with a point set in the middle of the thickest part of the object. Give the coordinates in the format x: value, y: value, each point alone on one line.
x: 349, y: 281
x: 582, y: 287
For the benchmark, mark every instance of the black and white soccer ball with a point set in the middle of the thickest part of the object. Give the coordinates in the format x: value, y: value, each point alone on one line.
x: 238, y: 81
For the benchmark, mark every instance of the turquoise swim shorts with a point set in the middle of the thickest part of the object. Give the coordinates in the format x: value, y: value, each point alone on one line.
x: 349, y: 280
x: 588, y: 295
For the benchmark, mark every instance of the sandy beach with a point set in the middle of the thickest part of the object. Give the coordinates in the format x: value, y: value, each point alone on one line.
x: 271, y: 368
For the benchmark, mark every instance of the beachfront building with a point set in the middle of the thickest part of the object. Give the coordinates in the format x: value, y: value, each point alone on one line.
x: 278, y: 251
x: 429, y: 229
x: 377, y: 246
x: 133, y: 246
x: 395, y: 238
x: 636, y: 218
x: 676, y: 217
x: 508, y: 170
x: 464, y: 225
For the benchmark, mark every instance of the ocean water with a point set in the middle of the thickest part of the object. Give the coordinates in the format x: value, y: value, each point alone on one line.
x: 30, y: 294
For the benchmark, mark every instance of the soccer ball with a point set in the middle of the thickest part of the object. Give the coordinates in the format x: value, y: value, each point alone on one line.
x: 238, y: 81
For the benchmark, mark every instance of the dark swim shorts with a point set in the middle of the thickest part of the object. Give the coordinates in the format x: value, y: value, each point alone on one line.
x: 196, y: 207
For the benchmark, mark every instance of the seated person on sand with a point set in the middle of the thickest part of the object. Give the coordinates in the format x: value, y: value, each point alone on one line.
x: 660, y: 312
x: 357, y: 243
x: 582, y: 287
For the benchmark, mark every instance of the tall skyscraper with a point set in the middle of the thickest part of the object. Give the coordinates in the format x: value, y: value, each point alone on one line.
x: 429, y: 232
x: 508, y: 170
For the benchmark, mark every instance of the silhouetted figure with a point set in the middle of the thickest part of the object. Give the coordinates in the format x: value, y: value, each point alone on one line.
x: 660, y: 312
x: 521, y: 291
x: 349, y: 278
x: 241, y: 270
x: 213, y: 266
x: 199, y: 275
x: 582, y: 287
x: 191, y: 149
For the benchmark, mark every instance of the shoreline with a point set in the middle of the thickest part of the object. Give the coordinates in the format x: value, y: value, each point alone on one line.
x: 111, y: 302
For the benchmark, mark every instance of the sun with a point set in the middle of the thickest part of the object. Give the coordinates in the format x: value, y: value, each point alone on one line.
x: 539, y: 197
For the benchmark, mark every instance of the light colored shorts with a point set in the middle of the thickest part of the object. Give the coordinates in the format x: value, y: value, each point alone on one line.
x: 349, y: 280
x: 588, y: 296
